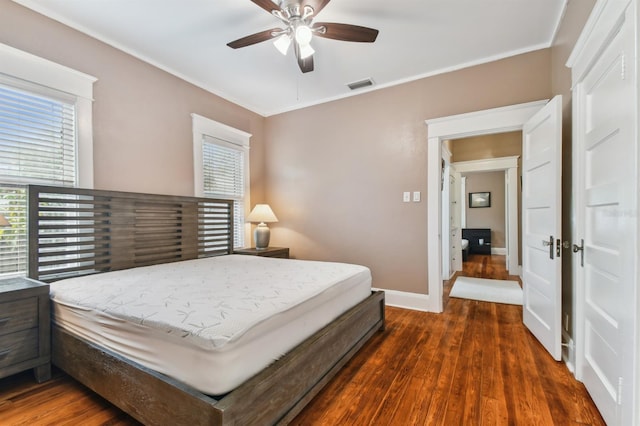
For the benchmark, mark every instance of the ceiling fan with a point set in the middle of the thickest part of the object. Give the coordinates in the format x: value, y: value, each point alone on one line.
x: 297, y: 16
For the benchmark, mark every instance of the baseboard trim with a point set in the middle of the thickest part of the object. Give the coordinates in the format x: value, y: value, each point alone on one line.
x: 407, y: 300
x: 502, y: 251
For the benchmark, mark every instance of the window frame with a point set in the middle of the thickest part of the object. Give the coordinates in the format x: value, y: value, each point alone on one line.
x: 203, y: 126
x: 41, y: 76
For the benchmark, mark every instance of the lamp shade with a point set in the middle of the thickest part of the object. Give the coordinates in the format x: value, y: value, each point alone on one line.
x: 262, y: 213
x: 4, y: 221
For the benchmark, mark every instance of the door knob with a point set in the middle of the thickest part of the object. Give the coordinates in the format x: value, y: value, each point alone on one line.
x: 550, y: 245
x: 580, y: 248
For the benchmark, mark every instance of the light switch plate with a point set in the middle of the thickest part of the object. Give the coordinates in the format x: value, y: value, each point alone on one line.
x: 406, y: 196
x: 416, y: 196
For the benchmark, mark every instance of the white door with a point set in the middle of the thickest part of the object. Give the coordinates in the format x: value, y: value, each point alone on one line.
x: 606, y: 191
x: 541, y: 225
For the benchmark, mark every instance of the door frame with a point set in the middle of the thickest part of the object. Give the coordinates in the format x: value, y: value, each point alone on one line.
x: 496, y: 120
x: 508, y: 165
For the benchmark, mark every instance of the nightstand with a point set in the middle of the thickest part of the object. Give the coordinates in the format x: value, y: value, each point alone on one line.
x: 281, y: 252
x: 25, y: 335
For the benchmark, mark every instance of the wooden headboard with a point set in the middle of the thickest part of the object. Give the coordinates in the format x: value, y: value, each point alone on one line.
x: 75, y: 232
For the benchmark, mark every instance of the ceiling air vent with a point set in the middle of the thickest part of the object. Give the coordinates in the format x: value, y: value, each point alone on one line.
x: 360, y: 84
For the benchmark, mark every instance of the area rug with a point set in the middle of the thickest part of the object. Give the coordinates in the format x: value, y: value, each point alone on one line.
x: 498, y: 291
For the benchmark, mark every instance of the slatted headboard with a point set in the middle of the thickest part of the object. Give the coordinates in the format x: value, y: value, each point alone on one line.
x: 75, y: 232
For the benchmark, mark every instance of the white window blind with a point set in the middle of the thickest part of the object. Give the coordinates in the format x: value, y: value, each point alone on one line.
x: 37, y: 139
x: 223, y: 171
x: 37, y: 146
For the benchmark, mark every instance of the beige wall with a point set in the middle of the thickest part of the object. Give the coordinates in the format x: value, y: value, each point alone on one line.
x: 488, y: 217
x: 336, y: 172
x: 141, y: 115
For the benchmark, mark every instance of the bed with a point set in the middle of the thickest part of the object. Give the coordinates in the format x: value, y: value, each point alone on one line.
x: 78, y: 238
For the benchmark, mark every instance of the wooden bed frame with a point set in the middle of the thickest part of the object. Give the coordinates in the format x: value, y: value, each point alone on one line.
x: 75, y: 232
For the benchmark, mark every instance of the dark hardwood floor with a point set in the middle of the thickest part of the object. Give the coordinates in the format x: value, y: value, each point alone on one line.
x: 474, y: 364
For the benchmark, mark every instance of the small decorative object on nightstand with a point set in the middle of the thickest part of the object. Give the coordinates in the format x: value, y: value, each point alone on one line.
x: 25, y: 336
x: 281, y: 252
x: 263, y: 214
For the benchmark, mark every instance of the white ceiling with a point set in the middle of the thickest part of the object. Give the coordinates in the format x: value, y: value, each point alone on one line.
x: 417, y: 38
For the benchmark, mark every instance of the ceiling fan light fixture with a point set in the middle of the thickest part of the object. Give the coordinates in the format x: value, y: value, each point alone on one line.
x: 282, y: 43
x: 306, y: 51
x: 303, y: 35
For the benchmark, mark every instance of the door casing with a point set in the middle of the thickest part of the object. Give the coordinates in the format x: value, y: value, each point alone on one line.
x: 497, y: 120
x: 508, y: 165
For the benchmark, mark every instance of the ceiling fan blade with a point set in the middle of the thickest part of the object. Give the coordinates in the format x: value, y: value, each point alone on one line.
x: 267, y: 5
x: 346, y: 32
x: 254, y: 38
x: 306, y: 64
x: 317, y: 5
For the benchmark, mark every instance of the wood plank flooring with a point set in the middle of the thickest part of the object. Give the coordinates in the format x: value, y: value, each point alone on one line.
x: 474, y: 364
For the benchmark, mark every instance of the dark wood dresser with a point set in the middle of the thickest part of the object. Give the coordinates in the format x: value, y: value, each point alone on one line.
x: 25, y: 335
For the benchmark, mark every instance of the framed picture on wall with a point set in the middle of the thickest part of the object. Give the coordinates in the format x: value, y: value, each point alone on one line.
x: 479, y: 199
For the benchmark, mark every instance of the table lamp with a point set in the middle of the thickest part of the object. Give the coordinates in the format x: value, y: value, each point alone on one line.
x: 262, y: 214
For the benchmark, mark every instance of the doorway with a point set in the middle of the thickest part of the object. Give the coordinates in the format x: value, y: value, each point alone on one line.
x: 498, y: 120
x: 509, y: 240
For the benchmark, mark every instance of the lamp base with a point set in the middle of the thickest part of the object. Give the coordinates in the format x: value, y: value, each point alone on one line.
x: 261, y: 235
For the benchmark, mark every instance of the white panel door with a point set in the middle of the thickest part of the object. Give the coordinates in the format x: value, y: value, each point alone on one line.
x: 606, y: 191
x: 541, y: 225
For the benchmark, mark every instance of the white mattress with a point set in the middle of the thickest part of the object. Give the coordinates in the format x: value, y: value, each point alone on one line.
x: 211, y: 323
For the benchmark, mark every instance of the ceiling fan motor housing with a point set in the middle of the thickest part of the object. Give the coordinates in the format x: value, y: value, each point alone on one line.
x: 292, y: 12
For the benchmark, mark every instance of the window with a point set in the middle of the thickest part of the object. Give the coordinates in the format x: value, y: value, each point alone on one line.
x: 221, y: 168
x: 45, y: 132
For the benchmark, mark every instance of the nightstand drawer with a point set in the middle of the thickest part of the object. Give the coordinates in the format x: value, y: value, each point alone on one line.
x: 18, y: 347
x: 281, y: 252
x: 284, y: 254
x: 17, y: 315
